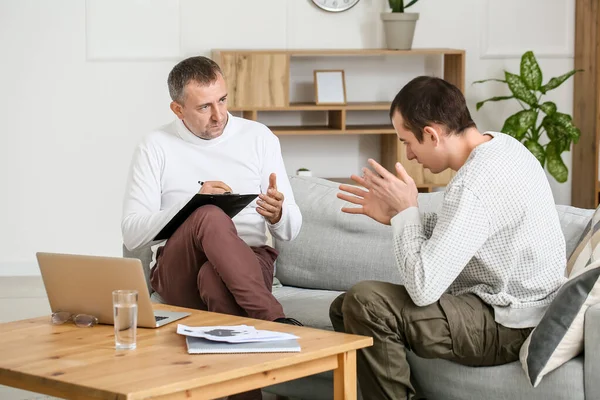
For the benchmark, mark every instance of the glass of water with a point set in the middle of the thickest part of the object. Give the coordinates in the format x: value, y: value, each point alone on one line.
x: 125, y: 306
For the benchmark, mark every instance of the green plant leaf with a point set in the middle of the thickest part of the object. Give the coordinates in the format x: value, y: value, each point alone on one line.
x: 566, y: 122
x: 548, y: 107
x: 530, y: 71
x: 411, y: 3
x: 537, y: 150
x: 555, y: 164
x: 519, y: 89
x: 518, y: 124
x: 397, y: 5
x: 489, y: 80
x: 559, y: 128
x: 563, y: 144
x: 497, y: 98
x: 557, y: 81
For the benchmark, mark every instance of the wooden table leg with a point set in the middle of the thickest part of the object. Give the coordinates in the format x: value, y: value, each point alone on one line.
x: 344, y: 377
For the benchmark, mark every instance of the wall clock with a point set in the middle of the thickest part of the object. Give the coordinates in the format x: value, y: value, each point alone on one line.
x: 335, y: 5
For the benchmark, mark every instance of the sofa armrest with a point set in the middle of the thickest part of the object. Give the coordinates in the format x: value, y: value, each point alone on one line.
x: 144, y: 254
x: 592, y: 352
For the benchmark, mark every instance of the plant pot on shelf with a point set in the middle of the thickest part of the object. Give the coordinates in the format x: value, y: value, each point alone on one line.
x: 399, y: 29
x: 304, y: 172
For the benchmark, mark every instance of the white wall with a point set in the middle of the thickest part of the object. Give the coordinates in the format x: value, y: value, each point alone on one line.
x: 81, y: 81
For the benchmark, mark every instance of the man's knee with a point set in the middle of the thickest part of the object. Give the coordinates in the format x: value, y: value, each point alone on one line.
x: 379, y: 297
x: 211, y: 216
x: 335, y: 313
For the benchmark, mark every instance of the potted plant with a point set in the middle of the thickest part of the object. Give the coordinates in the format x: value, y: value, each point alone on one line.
x: 304, y: 172
x: 399, y: 26
x: 536, y: 117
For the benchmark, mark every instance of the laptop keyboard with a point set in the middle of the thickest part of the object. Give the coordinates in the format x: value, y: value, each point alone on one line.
x: 159, y: 318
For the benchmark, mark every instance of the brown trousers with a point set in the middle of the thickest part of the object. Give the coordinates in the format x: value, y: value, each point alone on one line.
x: 206, y: 266
x: 457, y: 328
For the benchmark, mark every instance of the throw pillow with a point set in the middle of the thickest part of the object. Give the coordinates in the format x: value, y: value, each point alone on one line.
x: 559, y: 335
x: 587, y: 251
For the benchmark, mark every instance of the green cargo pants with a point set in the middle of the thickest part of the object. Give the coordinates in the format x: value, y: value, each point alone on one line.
x: 457, y: 328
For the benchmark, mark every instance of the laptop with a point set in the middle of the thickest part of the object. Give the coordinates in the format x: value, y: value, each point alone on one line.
x: 82, y: 284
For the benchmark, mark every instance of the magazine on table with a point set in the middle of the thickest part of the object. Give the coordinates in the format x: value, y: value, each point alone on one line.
x: 233, y: 333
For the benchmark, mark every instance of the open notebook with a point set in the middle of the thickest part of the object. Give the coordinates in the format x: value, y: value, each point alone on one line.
x: 198, y: 345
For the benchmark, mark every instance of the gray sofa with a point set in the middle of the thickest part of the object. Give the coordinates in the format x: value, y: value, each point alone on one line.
x: 335, y: 250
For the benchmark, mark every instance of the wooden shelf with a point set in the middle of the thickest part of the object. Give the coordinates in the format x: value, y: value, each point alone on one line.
x: 326, y: 130
x: 346, y: 52
x: 305, y: 130
x: 381, y: 129
x: 353, y: 106
x: 260, y: 81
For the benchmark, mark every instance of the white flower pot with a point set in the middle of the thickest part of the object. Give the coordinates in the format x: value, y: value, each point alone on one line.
x: 399, y: 29
x: 304, y: 173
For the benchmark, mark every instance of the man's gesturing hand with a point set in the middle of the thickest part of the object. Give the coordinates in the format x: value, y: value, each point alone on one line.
x: 397, y: 192
x: 270, y: 205
x: 386, y: 195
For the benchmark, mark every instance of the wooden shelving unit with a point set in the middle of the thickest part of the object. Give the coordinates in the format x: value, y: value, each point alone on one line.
x: 585, y: 186
x: 374, y: 106
x: 259, y: 81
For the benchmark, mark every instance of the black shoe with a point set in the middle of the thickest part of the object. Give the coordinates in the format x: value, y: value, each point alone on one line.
x: 289, y: 321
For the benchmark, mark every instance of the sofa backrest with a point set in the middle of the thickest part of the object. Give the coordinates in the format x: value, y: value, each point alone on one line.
x: 335, y: 250
x: 145, y: 256
x: 573, y: 221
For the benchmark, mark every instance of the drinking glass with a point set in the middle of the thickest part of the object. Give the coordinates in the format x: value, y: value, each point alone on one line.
x: 125, y: 306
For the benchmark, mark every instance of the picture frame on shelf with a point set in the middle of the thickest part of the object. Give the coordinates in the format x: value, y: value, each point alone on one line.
x: 330, y: 86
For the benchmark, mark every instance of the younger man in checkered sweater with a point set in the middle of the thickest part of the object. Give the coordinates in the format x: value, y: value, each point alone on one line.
x: 479, y: 275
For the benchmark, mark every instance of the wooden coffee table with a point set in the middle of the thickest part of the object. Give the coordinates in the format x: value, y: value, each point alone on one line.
x: 81, y: 363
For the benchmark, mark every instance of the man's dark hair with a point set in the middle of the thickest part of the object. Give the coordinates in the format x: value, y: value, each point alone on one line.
x: 201, y: 70
x: 426, y: 100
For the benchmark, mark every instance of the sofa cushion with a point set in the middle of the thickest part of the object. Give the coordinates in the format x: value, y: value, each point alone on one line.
x: 144, y: 254
x: 445, y: 380
x: 573, y: 221
x: 438, y: 379
x: 335, y: 250
x: 311, y: 307
x: 560, y: 334
x: 588, y: 248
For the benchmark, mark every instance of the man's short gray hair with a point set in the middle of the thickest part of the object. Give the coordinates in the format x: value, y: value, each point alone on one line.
x: 201, y: 70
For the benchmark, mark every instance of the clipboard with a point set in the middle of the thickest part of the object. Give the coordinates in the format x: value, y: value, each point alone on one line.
x: 231, y: 204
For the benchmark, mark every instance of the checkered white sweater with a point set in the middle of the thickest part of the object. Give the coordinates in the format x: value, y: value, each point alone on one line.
x: 497, y: 235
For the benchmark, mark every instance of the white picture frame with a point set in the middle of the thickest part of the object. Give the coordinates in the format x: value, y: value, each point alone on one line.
x: 330, y: 86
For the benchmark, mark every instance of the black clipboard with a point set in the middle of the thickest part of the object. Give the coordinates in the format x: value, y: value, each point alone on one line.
x: 231, y: 204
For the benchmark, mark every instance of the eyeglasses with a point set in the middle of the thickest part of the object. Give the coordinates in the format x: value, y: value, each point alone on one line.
x: 81, y: 320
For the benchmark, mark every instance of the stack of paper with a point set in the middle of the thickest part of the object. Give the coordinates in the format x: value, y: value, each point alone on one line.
x: 236, y: 339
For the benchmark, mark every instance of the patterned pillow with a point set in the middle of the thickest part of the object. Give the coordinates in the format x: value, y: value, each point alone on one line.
x: 587, y: 250
x: 559, y: 335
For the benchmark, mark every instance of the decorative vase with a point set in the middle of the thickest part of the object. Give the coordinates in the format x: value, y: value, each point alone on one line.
x: 399, y: 29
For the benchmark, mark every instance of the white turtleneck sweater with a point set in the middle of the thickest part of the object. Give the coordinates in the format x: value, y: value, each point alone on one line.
x: 169, y: 162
